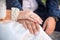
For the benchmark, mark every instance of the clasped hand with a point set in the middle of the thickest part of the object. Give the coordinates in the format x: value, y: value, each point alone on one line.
x: 30, y: 20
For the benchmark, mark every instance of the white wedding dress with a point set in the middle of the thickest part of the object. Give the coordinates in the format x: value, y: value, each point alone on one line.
x: 15, y: 31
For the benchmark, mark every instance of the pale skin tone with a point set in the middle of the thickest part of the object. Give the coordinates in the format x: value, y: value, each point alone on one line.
x: 48, y: 26
x: 31, y: 21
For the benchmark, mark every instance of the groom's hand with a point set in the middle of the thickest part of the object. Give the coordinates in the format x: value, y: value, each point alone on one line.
x: 49, y: 25
x: 30, y: 25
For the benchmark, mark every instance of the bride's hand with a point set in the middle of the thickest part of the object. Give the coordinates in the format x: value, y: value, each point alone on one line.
x: 31, y: 26
x: 30, y: 16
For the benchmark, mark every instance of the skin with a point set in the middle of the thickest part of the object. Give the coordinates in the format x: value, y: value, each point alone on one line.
x: 30, y: 16
x: 8, y: 17
x: 33, y: 27
x: 49, y: 25
x: 31, y: 23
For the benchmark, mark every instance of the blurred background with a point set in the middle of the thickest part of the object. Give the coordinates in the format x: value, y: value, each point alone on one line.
x: 59, y: 4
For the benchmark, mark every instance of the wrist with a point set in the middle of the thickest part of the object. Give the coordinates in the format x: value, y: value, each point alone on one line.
x: 52, y: 18
x: 55, y: 18
x: 11, y: 14
x: 8, y: 15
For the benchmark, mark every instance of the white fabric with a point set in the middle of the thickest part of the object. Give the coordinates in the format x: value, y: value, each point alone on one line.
x: 2, y: 9
x: 16, y: 31
x: 30, y: 5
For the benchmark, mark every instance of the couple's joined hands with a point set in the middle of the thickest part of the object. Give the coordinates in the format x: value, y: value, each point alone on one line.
x: 29, y: 15
x: 31, y: 21
x: 33, y: 27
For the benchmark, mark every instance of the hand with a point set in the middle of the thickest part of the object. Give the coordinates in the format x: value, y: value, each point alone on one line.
x: 30, y: 16
x: 49, y: 25
x: 31, y: 26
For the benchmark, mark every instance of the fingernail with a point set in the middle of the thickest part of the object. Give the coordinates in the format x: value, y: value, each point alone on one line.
x: 40, y: 22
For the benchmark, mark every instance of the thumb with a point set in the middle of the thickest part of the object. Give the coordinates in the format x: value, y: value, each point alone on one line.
x: 44, y: 25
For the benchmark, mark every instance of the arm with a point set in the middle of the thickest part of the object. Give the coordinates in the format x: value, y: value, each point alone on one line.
x: 13, y: 3
x: 52, y: 8
x: 52, y: 13
x: 9, y: 5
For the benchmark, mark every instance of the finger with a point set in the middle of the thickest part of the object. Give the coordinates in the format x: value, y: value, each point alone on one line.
x: 31, y: 19
x: 49, y: 30
x: 25, y: 25
x: 20, y: 21
x: 38, y: 19
x: 29, y: 26
x: 44, y: 25
x: 34, y: 27
x: 37, y: 27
